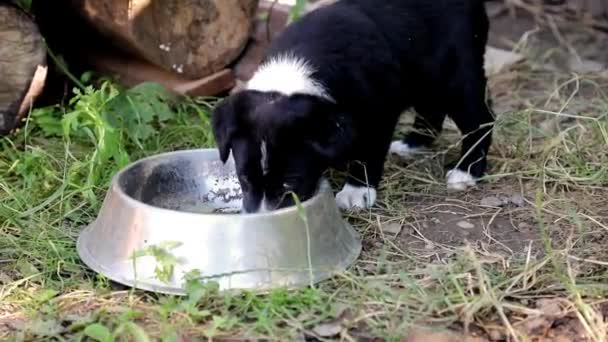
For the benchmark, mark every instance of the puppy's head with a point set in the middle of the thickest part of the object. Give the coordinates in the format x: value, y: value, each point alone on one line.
x: 280, y: 144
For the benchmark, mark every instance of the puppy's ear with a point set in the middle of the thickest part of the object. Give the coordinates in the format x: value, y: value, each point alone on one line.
x: 230, y: 117
x: 333, y: 137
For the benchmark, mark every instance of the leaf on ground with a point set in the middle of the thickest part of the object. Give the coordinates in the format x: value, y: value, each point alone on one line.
x: 45, y: 295
x: 98, y: 332
x: 327, y: 329
x: 136, y: 332
x: 149, y: 100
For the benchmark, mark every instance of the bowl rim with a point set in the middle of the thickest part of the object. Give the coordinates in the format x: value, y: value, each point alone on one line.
x: 115, y: 186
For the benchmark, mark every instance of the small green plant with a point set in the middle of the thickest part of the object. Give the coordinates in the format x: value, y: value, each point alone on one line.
x: 165, y: 260
x: 123, y: 327
x: 109, y: 122
x: 297, y: 10
x: 25, y: 4
x: 304, y: 217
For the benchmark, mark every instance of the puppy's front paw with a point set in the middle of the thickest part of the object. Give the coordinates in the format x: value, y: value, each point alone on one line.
x: 403, y: 150
x: 459, y: 180
x: 356, y: 197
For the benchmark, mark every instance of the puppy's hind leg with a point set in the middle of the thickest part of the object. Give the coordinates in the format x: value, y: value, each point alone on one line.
x: 474, y: 119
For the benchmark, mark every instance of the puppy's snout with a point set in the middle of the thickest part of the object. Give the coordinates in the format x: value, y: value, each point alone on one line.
x: 251, y: 204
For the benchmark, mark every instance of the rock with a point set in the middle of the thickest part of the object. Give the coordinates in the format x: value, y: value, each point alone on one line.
x: 537, y: 325
x: 585, y: 66
x: 299, y: 337
x: 327, y: 329
x: 549, y: 307
x: 419, y: 335
x: 491, y: 201
x: 5, y: 279
x: 496, y: 335
x: 496, y: 60
x: 494, y: 201
x: 523, y: 225
x: 465, y: 225
x: 391, y: 228
x: 518, y: 200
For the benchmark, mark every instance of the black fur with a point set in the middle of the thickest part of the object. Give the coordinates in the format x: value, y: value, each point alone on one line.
x: 376, y: 58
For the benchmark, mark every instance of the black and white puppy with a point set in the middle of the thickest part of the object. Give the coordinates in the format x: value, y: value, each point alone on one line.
x: 332, y: 88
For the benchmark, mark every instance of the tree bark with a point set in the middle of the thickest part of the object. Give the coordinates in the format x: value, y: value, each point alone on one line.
x: 22, y: 65
x: 195, y: 38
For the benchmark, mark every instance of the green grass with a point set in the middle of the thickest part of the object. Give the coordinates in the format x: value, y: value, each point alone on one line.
x: 550, y: 144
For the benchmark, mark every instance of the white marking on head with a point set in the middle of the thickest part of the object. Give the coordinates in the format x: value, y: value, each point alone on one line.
x: 459, y: 180
x: 324, y: 185
x: 287, y: 74
x: 402, y: 149
x: 264, y: 160
x: 263, y: 206
x: 356, y: 197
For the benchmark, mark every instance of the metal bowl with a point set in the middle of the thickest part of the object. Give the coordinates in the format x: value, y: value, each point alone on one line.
x: 176, y: 215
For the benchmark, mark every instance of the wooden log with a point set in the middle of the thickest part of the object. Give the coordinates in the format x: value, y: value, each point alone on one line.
x: 22, y: 65
x: 195, y: 38
x: 131, y: 72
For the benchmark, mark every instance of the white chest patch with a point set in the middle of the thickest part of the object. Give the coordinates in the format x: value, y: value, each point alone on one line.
x: 264, y: 161
x: 288, y: 75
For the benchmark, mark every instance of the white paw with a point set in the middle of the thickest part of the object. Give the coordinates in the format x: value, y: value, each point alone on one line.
x: 459, y: 180
x: 352, y: 197
x: 402, y: 149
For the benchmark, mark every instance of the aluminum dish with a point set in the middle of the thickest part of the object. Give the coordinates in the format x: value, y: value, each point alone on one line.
x: 187, y: 204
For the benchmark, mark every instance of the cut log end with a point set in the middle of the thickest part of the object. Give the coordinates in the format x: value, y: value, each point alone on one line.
x: 22, y: 65
x: 191, y: 38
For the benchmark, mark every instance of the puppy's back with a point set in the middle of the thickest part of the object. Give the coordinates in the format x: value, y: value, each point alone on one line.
x: 365, y: 48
